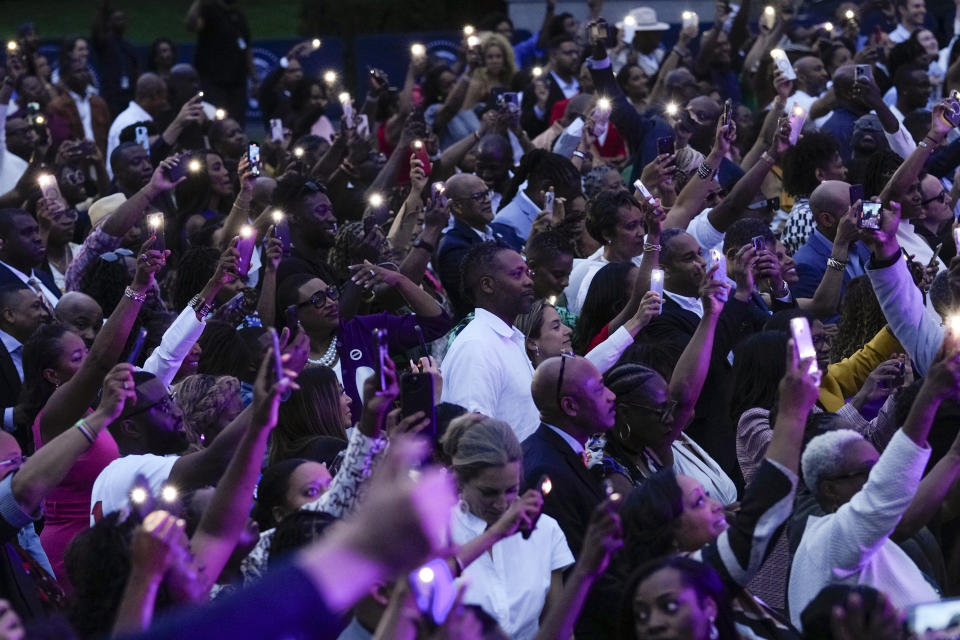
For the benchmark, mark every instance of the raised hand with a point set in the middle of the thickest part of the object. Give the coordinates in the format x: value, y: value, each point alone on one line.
x: 154, y: 544
x: 603, y: 538
x: 148, y: 263
x: 118, y: 389
x: 521, y: 514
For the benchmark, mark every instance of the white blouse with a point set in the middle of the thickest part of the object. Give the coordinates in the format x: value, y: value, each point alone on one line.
x: 511, y: 580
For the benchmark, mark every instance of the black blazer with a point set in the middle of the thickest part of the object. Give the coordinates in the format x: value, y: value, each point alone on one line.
x: 712, y: 427
x: 451, y: 250
x: 575, y: 490
x: 8, y: 277
x: 532, y: 124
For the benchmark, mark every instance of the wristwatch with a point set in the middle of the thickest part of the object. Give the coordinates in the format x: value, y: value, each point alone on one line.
x: 420, y: 243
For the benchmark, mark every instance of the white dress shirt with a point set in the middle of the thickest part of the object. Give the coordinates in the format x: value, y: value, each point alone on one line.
x: 581, y: 275
x: 852, y: 546
x: 25, y: 278
x: 15, y: 349
x: 131, y: 115
x: 569, y: 89
x: 83, y: 108
x: 511, y: 580
x: 174, y: 346
x: 900, y: 34
x: 12, y: 166
x: 487, y: 370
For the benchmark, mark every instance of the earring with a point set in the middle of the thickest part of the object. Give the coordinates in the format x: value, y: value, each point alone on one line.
x: 714, y: 632
x: 536, y: 350
x: 626, y: 428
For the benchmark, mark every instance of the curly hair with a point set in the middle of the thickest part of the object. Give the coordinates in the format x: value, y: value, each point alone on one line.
x: 203, y: 399
x: 861, y: 318
x: 348, y: 238
x: 800, y: 163
x: 539, y: 169
x: 593, y: 181
x: 105, y: 282
x: 602, y: 215
x: 491, y: 40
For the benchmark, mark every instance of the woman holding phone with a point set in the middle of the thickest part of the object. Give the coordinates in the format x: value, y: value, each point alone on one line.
x: 347, y: 345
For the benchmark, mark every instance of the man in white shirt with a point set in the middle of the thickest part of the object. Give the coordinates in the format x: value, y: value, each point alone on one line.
x: 487, y: 368
x: 21, y: 312
x: 912, y: 14
x: 12, y: 165
x: 865, y: 496
x: 149, y: 101
x: 811, y: 84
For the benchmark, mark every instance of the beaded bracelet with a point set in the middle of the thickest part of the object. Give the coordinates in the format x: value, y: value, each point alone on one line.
x: 136, y: 296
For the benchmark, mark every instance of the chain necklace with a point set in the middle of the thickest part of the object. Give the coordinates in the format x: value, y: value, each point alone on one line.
x: 328, y: 358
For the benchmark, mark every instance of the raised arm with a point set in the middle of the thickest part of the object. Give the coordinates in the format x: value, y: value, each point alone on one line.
x: 240, y: 213
x: 49, y: 465
x: 225, y: 517
x: 689, y: 202
x: 909, y: 170
x: 72, y: 398
x: 826, y: 299
x: 369, y: 276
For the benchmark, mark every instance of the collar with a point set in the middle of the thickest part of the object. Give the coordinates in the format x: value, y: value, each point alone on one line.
x: 20, y: 274
x: 87, y: 92
x: 573, y: 85
x: 527, y: 206
x: 486, y: 234
x: 468, y: 521
x: 139, y: 112
x: 9, y: 342
x: 495, y: 323
x: 569, y: 439
x: 687, y: 303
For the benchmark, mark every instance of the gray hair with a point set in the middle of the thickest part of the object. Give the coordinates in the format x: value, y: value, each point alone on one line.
x: 824, y: 456
x: 475, y: 442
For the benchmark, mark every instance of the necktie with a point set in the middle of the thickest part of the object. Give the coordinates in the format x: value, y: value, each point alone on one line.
x: 35, y: 285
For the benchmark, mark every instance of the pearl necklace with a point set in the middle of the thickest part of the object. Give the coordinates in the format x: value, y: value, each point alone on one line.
x: 328, y: 358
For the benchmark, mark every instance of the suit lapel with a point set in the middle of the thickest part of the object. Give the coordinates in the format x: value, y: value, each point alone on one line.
x: 574, y: 461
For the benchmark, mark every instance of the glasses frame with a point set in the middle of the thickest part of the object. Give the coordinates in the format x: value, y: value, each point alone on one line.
x: 331, y: 293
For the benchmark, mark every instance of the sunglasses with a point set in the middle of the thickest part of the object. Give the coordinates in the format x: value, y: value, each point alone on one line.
x: 320, y: 297
x: 164, y: 405
x: 664, y: 412
x: 563, y: 364
x: 940, y: 197
x: 116, y: 254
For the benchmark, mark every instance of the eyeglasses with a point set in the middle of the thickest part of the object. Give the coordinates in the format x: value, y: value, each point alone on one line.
x: 563, y: 364
x: 320, y: 297
x: 116, y: 254
x: 479, y: 196
x: 940, y: 197
x: 164, y: 405
x: 664, y: 412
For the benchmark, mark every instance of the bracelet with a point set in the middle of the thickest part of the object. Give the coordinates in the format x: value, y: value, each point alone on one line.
x: 85, y: 429
x: 769, y: 158
x: 783, y: 293
x: 839, y: 265
x: 705, y: 171
x: 649, y: 246
x: 135, y: 295
x: 579, y: 154
x: 203, y: 310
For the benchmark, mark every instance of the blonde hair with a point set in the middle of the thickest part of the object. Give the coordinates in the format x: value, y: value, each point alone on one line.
x: 475, y: 442
x: 509, y: 62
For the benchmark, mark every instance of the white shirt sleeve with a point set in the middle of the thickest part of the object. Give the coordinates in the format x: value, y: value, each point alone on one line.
x: 605, y: 355
x: 704, y: 232
x: 560, y: 556
x: 901, y: 142
x: 176, y: 343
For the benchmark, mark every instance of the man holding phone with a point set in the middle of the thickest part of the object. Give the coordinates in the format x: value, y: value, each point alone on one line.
x: 149, y: 102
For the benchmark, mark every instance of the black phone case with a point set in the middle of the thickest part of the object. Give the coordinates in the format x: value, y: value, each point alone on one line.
x: 416, y: 394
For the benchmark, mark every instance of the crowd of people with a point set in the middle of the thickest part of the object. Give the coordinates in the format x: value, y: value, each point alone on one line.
x: 579, y: 335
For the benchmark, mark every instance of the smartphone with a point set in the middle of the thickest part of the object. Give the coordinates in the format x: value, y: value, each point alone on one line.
x: 436, y: 193
x: 155, y: 222
x: 416, y: 394
x: 253, y: 156
x: 644, y: 192
x: 509, y: 102
x: 943, y: 615
x: 936, y: 254
x: 545, y: 486
x: 142, y: 138
x: 137, y: 346
x: 690, y: 19
x: 656, y: 284
x: 179, y: 169
x: 293, y: 320
x: 548, y: 197
x: 277, y: 356
x: 434, y: 590
x: 727, y: 113
x: 716, y: 258
x: 245, y: 245
x: 864, y: 72
x: 803, y: 340
x: 347, y: 105
x: 665, y: 145
x: 869, y: 217
x: 382, y: 354
x: 952, y: 114
x: 758, y: 243
x: 48, y: 186
x: 769, y: 17
x: 856, y: 193
x: 276, y: 130
x: 798, y: 116
x: 598, y: 31
x: 419, y: 149
x: 783, y: 63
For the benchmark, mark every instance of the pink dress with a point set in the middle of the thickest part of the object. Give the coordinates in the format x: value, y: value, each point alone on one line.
x: 67, y: 508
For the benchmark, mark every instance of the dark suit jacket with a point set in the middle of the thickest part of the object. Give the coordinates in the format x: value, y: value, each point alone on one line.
x: 575, y: 490
x: 451, y: 250
x: 529, y: 120
x: 8, y: 277
x: 712, y: 426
